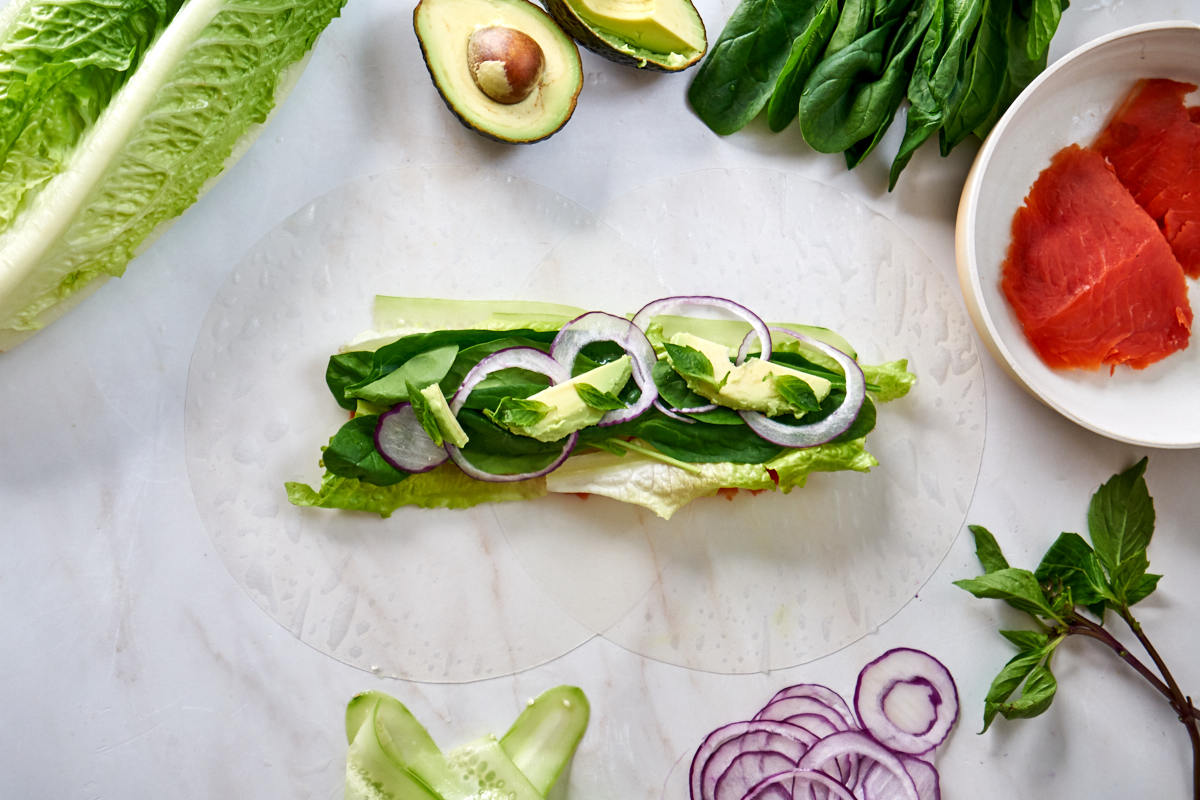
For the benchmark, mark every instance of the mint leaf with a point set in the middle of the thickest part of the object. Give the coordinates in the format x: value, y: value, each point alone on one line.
x: 424, y: 413
x: 517, y: 412
x: 689, y: 361
x: 798, y: 394
x: 1121, y: 517
x: 1071, y: 563
x: 1017, y: 587
x: 987, y: 549
x: 594, y: 398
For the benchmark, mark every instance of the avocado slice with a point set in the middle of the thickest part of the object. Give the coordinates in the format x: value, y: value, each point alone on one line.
x: 749, y: 386
x: 663, y: 35
x: 565, y: 410
x: 503, y: 67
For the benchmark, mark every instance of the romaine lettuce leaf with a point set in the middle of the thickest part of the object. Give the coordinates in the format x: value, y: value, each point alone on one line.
x: 124, y: 161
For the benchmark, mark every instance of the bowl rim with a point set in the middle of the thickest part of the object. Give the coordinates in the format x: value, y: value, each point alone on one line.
x: 966, y: 258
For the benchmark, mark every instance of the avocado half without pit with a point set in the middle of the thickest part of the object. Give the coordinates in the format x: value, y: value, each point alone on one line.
x: 503, y: 67
x: 665, y: 35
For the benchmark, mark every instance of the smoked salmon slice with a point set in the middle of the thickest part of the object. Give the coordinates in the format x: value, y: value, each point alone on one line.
x: 1089, y: 276
x: 1153, y: 143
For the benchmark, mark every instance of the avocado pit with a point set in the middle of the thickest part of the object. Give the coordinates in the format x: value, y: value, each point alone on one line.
x: 506, y: 64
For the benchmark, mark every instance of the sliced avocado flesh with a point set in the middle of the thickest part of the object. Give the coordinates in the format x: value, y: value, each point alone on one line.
x: 731, y: 332
x: 660, y: 26
x: 541, y: 740
x: 443, y: 28
x: 749, y: 386
x: 567, y: 410
x: 447, y: 423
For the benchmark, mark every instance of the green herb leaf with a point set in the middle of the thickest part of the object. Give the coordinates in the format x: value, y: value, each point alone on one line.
x: 805, y: 52
x: 346, y: 370
x: 1011, y: 675
x: 987, y: 549
x: 1142, y: 589
x: 1121, y: 517
x: 422, y: 369
x: 351, y: 454
x: 1017, y: 587
x: 798, y: 394
x: 1071, y: 563
x: 1037, y: 693
x: 674, y: 390
x: 517, y: 412
x: 594, y: 398
x: 424, y: 414
x: 1027, y: 640
x: 689, y: 361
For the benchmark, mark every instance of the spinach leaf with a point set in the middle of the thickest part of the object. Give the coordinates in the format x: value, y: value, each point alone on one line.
x: 1043, y: 23
x: 673, y: 389
x: 981, y: 92
x: 737, y: 77
x: 351, y: 454
x: 345, y: 370
x: 852, y: 96
x: 805, y: 53
x: 505, y: 383
x: 469, y: 356
x: 941, y: 66
x: 493, y: 449
x: 852, y: 23
x: 700, y: 442
x: 423, y: 369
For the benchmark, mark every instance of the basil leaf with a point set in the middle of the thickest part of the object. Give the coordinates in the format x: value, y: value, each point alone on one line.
x: 517, y: 412
x: 689, y: 362
x: 345, y: 370
x: 987, y: 549
x: 424, y: 414
x: 737, y: 77
x: 1011, y: 675
x: 1037, y: 693
x: 798, y: 394
x: 351, y: 454
x: 1121, y: 517
x: 594, y: 398
x: 1072, y: 563
x: 673, y: 389
x: 1027, y: 640
x: 1141, y: 589
x: 1017, y: 587
x: 422, y: 369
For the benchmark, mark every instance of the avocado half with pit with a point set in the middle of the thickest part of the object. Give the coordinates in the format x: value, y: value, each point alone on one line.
x: 503, y: 67
x: 664, y: 35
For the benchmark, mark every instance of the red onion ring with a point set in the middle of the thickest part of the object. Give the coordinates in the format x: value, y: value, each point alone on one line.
x: 855, y: 743
x: 832, y: 786
x: 526, y: 358
x: 707, y: 765
x: 685, y: 303
x: 833, y: 425
x: 600, y: 326
x: 404, y: 444
x: 907, y: 667
x: 669, y: 412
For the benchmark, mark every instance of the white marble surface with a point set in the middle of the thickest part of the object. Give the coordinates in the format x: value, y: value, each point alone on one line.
x: 135, y: 665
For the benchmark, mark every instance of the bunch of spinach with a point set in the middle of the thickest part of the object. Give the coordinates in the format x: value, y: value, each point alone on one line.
x: 1069, y: 594
x: 370, y: 383
x: 844, y: 67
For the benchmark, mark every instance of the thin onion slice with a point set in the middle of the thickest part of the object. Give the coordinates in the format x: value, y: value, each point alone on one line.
x: 822, y: 694
x: 404, y: 444
x: 600, y: 326
x: 907, y: 700
x: 799, y: 776
x: 669, y: 412
x: 879, y: 784
x: 833, y: 425
x: 526, y: 358
x: 856, y: 743
x: 687, y: 303
x: 711, y: 760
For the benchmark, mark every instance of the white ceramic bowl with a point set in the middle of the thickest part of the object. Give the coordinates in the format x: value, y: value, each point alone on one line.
x: 1071, y: 102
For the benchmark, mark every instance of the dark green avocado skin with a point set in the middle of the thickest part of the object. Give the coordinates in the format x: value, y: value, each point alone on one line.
x: 578, y: 30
